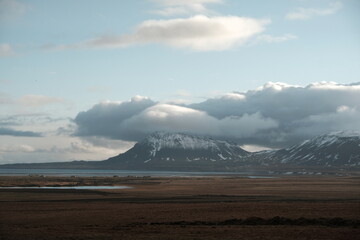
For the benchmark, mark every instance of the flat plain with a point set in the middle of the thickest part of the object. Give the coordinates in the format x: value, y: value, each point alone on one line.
x: 213, y: 207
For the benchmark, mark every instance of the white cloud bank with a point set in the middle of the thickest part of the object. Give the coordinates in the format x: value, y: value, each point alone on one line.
x: 197, y: 33
x: 307, y: 13
x: 274, y: 115
x: 173, y: 118
x: 101, y: 121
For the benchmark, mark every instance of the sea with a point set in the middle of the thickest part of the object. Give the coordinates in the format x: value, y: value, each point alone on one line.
x: 122, y: 173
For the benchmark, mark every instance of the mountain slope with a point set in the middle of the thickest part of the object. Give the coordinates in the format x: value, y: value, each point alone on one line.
x: 162, y: 150
x: 184, y: 152
x: 334, y: 149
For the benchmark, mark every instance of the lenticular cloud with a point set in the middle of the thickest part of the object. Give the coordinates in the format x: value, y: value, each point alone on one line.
x: 197, y: 33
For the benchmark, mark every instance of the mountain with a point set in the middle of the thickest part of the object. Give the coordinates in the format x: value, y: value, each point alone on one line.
x: 179, y: 151
x: 185, y: 152
x: 334, y: 149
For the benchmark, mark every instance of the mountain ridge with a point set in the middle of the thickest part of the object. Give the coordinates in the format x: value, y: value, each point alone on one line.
x: 332, y: 149
x: 187, y: 152
x: 181, y: 151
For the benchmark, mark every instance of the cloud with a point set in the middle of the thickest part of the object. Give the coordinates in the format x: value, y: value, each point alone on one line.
x: 30, y: 119
x: 273, y: 115
x: 86, y: 146
x: 30, y: 100
x: 29, y: 125
x: 173, y: 118
x: 197, y: 33
x: 294, y: 108
x: 109, y: 144
x: 307, y: 13
x: 11, y: 9
x: 344, y: 118
x: 23, y: 148
x: 4, y: 81
x: 38, y: 100
x: 58, y: 148
x: 275, y: 39
x: 166, y: 117
x: 183, y: 7
x: 104, y: 119
x: 6, y: 50
x: 4, y: 98
x: 17, y: 133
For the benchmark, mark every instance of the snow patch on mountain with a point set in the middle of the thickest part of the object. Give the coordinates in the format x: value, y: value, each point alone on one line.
x: 179, y: 140
x: 164, y: 140
x: 333, y: 149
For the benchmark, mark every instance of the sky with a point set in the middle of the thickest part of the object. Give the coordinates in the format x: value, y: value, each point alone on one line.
x: 87, y: 79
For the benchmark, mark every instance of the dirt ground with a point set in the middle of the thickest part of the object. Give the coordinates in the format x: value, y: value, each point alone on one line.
x: 181, y: 208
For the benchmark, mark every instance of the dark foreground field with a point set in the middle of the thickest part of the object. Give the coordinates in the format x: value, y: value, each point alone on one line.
x: 182, y: 208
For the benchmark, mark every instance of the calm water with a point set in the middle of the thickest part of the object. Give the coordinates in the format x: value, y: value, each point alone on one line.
x: 121, y: 173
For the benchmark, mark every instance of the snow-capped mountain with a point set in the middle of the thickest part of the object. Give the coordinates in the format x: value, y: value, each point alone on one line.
x: 160, y: 142
x: 163, y: 150
x: 185, y: 152
x: 334, y: 149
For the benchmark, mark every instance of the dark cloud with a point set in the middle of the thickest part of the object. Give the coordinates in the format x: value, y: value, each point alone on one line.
x: 105, y: 119
x: 17, y: 133
x: 28, y: 120
x: 301, y: 112
x: 274, y: 115
x: 9, y: 125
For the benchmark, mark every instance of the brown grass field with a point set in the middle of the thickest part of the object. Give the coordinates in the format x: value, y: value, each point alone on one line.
x: 182, y: 208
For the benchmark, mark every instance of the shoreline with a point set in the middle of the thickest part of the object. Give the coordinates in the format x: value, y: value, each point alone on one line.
x: 147, y: 173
